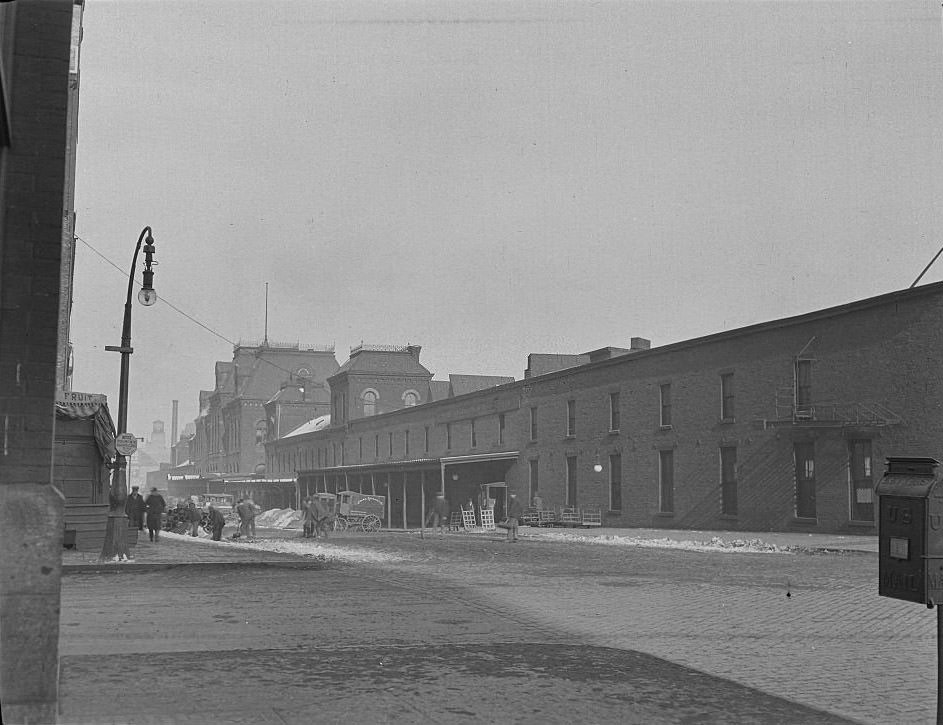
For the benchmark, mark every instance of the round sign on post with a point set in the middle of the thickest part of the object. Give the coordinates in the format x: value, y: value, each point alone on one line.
x: 126, y: 444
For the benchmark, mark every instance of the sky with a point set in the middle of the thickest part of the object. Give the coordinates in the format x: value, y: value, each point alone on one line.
x: 491, y: 179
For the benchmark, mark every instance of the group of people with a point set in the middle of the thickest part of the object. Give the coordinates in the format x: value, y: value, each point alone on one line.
x: 150, y: 510
x: 315, y: 517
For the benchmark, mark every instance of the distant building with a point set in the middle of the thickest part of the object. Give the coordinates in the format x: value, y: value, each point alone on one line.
x: 230, y: 432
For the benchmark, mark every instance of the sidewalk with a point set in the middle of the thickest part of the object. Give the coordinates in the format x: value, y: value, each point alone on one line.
x: 727, y: 539
x: 170, y: 551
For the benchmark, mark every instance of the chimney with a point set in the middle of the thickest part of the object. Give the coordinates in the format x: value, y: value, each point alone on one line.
x: 640, y: 343
x: 414, y: 350
x: 173, y: 434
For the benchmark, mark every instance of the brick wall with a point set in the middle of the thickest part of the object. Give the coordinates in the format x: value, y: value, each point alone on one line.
x: 878, y: 355
x: 32, y: 176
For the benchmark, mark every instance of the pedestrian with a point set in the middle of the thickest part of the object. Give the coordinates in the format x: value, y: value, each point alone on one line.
x: 217, y: 522
x: 243, y: 509
x: 322, y: 516
x: 134, y: 507
x: 515, y: 511
x: 194, y: 516
x: 155, y: 509
x: 308, y: 518
x: 253, y: 511
x: 439, y: 513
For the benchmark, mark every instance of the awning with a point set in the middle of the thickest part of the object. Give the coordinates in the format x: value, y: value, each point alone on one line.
x: 478, y: 457
x: 413, y: 463
x: 84, y: 406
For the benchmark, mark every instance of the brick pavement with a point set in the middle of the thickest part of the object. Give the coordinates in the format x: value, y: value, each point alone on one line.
x: 832, y: 644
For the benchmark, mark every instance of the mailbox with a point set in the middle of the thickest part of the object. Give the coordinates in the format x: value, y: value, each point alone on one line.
x: 910, y: 531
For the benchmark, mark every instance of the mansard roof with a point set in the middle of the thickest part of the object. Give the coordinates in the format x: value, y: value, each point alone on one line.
x: 384, y: 359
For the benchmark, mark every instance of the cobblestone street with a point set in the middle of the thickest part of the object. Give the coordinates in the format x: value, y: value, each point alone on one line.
x: 807, y: 628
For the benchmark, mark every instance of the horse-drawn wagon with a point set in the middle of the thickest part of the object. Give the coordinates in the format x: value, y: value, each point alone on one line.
x: 363, y: 511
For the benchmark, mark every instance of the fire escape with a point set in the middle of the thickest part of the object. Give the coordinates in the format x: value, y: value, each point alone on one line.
x: 795, y: 406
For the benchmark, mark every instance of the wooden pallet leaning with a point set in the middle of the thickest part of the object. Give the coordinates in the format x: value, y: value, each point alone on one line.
x: 591, y: 517
x: 571, y: 517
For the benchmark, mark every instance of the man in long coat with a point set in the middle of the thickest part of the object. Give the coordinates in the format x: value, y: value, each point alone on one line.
x: 155, y: 508
x: 134, y: 507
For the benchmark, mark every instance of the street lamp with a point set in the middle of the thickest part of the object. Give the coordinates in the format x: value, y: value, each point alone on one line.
x: 116, y: 541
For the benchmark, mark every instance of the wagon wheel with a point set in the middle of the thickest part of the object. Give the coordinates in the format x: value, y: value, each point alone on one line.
x: 370, y: 523
x: 339, y: 523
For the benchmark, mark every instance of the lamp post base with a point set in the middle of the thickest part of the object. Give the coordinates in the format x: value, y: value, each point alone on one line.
x: 115, y: 547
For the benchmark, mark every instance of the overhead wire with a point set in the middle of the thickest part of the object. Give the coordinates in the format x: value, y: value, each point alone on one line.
x: 190, y: 317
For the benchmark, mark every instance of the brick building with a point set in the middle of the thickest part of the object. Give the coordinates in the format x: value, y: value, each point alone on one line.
x: 232, y: 427
x: 36, y: 40
x: 267, y: 389
x: 782, y: 425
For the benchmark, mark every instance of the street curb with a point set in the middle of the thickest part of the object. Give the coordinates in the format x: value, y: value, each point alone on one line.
x: 162, y: 566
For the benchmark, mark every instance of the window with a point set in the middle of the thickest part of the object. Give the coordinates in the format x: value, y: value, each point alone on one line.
x: 448, y: 436
x: 615, y: 481
x: 426, y: 439
x: 343, y: 452
x: 261, y: 430
x: 501, y: 425
x: 390, y: 434
x: 571, y: 482
x: 376, y: 446
x: 804, y: 388
x: 369, y: 398
x: 534, y: 478
x: 666, y: 482
x: 333, y: 454
x: 726, y: 396
x: 410, y: 398
x: 861, y: 480
x: 473, y: 434
x: 728, y: 480
x: 665, y: 394
x: 361, y: 448
x: 571, y: 417
x: 533, y: 424
x: 614, y: 416
x: 406, y: 443
x: 804, y: 453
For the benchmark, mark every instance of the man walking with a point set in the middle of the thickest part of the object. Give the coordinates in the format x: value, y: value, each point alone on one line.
x: 134, y: 507
x: 515, y: 511
x: 155, y: 509
x: 307, y: 518
x: 440, y: 513
x: 321, y: 517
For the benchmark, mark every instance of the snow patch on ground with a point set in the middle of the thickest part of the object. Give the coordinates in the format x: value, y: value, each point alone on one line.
x: 306, y: 548
x: 278, y: 518
x: 716, y: 544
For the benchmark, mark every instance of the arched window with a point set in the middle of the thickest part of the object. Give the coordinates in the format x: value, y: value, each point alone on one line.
x: 261, y: 432
x: 410, y: 398
x: 369, y: 398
